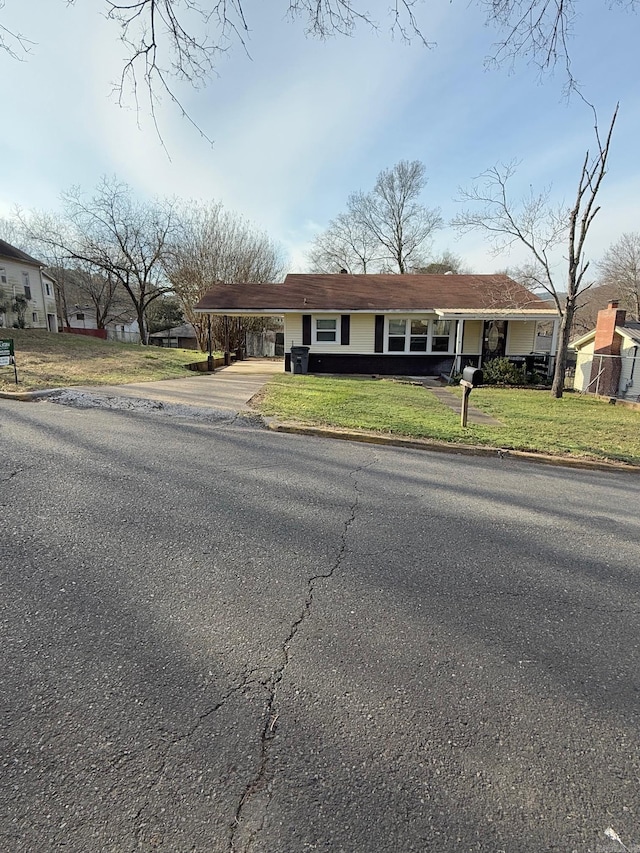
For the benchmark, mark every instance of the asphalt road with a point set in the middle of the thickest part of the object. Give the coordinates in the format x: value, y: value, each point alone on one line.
x: 217, y: 638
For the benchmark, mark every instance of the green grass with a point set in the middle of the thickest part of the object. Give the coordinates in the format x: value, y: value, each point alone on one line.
x: 48, y: 360
x: 531, y: 420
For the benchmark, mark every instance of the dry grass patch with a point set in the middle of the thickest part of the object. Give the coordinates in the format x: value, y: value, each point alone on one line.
x: 48, y: 360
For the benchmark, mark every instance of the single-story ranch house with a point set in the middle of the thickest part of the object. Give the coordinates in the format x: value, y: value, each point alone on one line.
x: 394, y: 324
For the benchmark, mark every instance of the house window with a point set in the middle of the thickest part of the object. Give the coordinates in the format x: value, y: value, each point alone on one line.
x: 406, y: 334
x: 419, y: 335
x: 34, y: 317
x: 3, y: 275
x: 27, y: 286
x: 441, y: 335
x: 79, y: 316
x: 47, y: 288
x: 326, y: 330
x: 397, y: 335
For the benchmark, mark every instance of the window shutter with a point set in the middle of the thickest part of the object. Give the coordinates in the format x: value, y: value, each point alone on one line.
x: 379, y: 334
x: 345, y: 329
x: 306, y: 330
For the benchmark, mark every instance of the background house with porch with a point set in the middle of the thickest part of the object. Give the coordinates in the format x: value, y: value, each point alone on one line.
x: 422, y: 325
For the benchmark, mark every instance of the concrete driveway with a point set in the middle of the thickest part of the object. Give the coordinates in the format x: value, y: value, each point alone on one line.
x: 229, y: 388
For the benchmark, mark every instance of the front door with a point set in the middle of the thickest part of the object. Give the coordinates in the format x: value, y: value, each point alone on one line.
x: 494, y: 339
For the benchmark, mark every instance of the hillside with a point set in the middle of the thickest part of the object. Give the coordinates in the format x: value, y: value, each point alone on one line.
x: 48, y: 360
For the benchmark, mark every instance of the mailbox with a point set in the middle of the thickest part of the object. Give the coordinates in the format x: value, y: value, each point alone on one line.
x: 472, y: 376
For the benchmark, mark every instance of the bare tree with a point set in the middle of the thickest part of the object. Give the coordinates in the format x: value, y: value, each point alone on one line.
x: 620, y: 268
x: 538, y: 31
x: 446, y: 262
x: 180, y: 40
x: 113, y: 234
x: 11, y: 232
x: 542, y: 228
x: 213, y: 245
x: 346, y: 244
x: 394, y: 216
x: 386, y: 229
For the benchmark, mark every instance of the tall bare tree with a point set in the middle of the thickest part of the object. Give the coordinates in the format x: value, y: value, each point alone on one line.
x: 345, y: 244
x: 542, y: 228
x: 620, y: 268
x: 122, y: 239
x: 213, y: 245
x: 386, y: 229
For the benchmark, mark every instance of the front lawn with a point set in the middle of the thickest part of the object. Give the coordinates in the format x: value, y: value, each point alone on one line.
x: 531, y: 420
x: 48, y: 360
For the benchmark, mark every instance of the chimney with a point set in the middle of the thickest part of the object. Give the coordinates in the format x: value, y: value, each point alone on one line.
x: 607, y: 344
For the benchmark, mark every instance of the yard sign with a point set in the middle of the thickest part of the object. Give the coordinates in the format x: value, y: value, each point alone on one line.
x: 7, y: 355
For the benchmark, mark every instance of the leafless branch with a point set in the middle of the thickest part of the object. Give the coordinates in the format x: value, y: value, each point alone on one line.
x: 533, y: 222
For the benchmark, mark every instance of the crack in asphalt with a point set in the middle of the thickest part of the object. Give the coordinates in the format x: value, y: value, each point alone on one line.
x: 10, y: 475
x: 259, y: 784
x: 161, y: 773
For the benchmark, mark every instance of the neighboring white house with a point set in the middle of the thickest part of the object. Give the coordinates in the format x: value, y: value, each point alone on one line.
x: 608, y: 357
x: 23, y: 276
x: 82, y: 320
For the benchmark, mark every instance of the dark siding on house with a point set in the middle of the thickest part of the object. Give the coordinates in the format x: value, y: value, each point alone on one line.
x: 383, y: 365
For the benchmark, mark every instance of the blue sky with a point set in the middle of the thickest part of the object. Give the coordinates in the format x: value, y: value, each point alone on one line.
x: 301, y: 123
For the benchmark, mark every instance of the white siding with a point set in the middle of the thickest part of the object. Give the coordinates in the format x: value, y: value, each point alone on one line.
x: 363, y: 327
x: 472, y: 337
x: 630, y: 370
x: 583, y: 367
x: 361, y: 336
x: 292, y: 331
x: 39, y: 302
x: 521, y: 337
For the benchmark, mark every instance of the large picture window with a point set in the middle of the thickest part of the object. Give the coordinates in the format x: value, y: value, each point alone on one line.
x: 409, y: 334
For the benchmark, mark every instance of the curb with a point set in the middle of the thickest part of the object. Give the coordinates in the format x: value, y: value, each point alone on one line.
x: 30, y: 396
x: 424, y: 444
x: 459, y: 449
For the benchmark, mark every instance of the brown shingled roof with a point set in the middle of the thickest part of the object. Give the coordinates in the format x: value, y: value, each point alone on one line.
x: 9, y: 251
x: 346, y: 293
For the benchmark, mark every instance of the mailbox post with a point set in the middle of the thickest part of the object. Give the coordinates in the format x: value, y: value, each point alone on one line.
x: 471, y: 378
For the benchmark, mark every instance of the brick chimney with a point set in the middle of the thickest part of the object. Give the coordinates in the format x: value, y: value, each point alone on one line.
x: 607, y: 344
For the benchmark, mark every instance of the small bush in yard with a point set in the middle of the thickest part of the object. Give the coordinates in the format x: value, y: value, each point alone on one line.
x: 500, y: 371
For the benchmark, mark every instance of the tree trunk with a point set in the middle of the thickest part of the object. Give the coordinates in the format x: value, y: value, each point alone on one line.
x: 144, y: 339
x: 561, y: 358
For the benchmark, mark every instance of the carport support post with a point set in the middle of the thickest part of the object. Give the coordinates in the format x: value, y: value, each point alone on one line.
x: 227, y: 352
x: 466, y: 390
x: 210, y: 356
